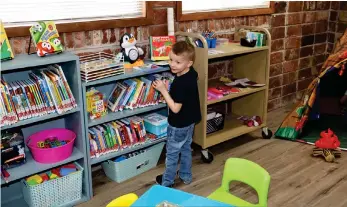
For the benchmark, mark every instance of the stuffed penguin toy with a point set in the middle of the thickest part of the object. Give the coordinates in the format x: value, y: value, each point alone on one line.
x: 130, y: 52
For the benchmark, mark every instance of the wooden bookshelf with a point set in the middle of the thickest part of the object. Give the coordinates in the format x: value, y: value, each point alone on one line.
x: 248, y: 62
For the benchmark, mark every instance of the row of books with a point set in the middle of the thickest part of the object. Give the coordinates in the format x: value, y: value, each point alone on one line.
x: 46, y: 91
x: 137, y: 92
x: 117, y: 135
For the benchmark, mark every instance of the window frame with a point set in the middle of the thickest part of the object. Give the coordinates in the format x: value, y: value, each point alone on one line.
x: 222, y: 14
x: 23, y: 31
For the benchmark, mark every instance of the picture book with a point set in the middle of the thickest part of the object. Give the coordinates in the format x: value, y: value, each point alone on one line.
x: 6, y: 51
x: 46, y: 38
x: 161, y: 46
x: 43, y: 93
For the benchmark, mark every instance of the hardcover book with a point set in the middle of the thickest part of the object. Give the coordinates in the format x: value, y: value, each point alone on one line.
x: 46, y: 38
x: 161, y: 46
x: 6, y: 51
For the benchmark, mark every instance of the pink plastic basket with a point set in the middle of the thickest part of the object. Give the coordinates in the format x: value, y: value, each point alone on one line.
x: 51, y: 155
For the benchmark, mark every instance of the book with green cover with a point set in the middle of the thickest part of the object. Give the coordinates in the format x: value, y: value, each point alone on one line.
x: 6, y: 51
x: 46, y: 38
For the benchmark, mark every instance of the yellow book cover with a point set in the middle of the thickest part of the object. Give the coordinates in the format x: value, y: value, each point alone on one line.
x: 6, y: 51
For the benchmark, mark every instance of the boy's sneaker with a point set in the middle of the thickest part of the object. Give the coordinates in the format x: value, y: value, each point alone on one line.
x: 159, y: 180
x: 187, y: 182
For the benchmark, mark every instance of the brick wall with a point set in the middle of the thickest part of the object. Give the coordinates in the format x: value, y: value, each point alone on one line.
x: 299, y: 32
x: 299, y: 42
x: 337, y: 22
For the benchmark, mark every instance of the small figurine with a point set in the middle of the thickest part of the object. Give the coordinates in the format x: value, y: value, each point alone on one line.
x: 327, y: 146
x: 130, y: 52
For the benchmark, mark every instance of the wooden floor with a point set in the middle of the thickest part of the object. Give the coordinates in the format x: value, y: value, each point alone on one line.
x: 297, y: 179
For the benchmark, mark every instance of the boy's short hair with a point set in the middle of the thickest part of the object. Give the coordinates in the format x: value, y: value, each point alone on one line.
x: 181, y: 47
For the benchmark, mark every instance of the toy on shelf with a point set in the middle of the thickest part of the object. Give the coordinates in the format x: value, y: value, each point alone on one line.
x: 58, y: 145
x: 52, y: 142
x: 130, y: 52
x: 52, y: 174
x: 96, y: 104
x: 12, y: 150
x: 251, y: 121
x: 46, y: 38
x: 327, y: 146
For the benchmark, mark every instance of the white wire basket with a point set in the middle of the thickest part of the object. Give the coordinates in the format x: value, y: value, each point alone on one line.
x: 100, y: 65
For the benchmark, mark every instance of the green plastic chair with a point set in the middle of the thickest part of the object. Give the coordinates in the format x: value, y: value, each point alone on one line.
x: 248, y: 172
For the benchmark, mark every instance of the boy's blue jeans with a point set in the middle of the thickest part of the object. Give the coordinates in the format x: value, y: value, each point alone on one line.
x: 179, y: 141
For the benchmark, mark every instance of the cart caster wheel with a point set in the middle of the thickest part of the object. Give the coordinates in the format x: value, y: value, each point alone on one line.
x: 266, y: 133
x: 206, y: 156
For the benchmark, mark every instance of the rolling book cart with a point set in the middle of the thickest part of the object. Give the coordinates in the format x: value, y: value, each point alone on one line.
x: 248, y: 62
x: 106, y: 86
x: 19, y: 69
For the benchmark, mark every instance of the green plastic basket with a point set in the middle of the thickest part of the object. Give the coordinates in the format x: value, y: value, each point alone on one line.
x: 133, y: 166
x: 54, y: 192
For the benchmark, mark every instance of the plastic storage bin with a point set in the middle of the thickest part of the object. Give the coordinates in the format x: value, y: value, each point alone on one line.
x: 54, y: 192
x: 51, y: 155
x: 156, y: 123
x: 133, y: 166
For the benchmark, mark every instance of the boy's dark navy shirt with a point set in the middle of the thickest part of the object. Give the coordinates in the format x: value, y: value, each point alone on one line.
x: 184, y: 90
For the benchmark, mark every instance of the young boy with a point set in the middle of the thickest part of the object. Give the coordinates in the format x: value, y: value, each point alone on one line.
x: 184, y: 113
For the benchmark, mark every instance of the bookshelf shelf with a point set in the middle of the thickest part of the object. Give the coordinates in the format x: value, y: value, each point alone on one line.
x: 235, y: 49
x: 127, y: 75
x: 33, y: 167
x: 125, y: 151
x: 244, y: 92
x: 19, y: 69
x: 39, y: 119
x: 29, y: 61
x: 111, y: 116
x: 247, y: 62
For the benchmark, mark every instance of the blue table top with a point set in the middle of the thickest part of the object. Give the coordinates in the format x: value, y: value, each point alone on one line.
x: 157, y: 194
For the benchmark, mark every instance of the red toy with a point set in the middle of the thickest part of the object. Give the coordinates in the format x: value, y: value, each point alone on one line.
x: 252, y: 121
x: 328, y: 140
x: 44, y: 177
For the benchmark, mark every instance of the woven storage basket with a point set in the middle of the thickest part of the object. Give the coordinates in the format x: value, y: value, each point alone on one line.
x: 54, y: 192
x: 126, y: 169
x: 215, y: 124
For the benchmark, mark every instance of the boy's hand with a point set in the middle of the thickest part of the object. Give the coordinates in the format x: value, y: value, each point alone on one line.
x: 159, y: 85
